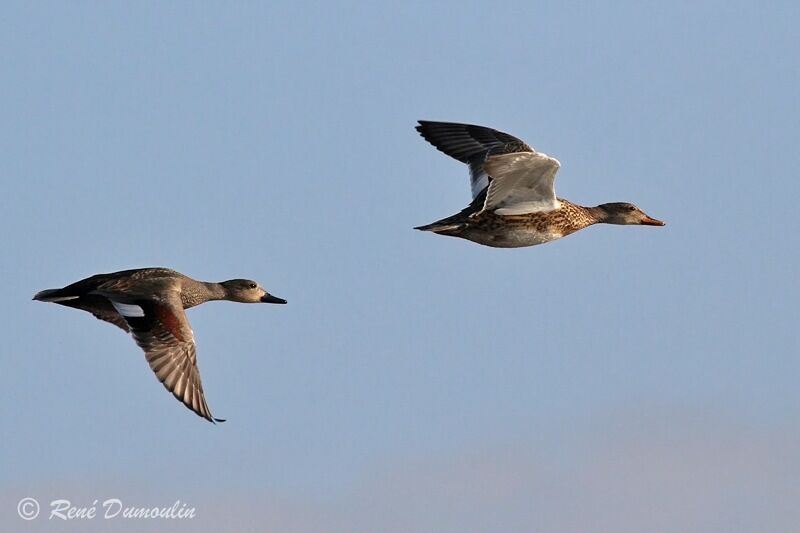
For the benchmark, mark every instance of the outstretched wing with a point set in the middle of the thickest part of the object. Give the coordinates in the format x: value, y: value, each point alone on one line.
x: 163, y: 332
x: 470, y: 144
x: 521, y: 183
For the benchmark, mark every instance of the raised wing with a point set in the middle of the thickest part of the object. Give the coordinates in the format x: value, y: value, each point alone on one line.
x: 163, y: 332
x: 470, y: 144
x: 521, y: 183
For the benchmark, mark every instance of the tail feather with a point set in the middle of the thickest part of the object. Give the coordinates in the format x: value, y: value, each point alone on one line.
x: 458, y: 221
x: 439, y: 227
x: 54, y: 295
x: 72, y: 291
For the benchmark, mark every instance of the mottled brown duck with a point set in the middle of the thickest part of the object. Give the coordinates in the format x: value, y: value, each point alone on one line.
x: 514, y: 203
x: 149, y: 303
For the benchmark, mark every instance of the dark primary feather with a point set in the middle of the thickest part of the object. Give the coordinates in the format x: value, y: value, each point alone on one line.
x: 470, y: 144
x: 465, y: 141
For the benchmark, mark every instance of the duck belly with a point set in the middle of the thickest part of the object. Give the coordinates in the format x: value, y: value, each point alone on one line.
x: 514, y: 237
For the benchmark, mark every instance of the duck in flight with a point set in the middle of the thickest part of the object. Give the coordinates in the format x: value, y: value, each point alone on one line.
x: 149, y: 303
x: 514, y: 203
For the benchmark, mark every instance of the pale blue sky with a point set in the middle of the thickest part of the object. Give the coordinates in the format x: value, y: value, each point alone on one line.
x: 622, y: 379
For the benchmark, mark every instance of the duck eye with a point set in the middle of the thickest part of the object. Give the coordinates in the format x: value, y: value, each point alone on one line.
x: 253, y: 285
x: 631, y: 208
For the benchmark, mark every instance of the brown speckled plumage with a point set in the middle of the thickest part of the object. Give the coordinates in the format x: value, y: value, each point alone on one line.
x: 507, y: 231
x: 514, y: 202
x: 569, y: 218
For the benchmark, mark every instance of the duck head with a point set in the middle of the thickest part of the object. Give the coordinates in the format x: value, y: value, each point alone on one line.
x: 625, y: 213
x: 248, y: 291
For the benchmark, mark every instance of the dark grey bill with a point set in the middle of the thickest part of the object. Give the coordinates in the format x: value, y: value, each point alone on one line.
x: 270, y: 299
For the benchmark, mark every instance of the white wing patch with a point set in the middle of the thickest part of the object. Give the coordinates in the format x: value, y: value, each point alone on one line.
x: 129, y: 310
x: 478, y: 180
x: 522, y: 182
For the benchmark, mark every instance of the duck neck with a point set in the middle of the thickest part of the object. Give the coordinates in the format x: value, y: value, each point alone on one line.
x: 597, y: 214
x: 580, y: 216
x: 198, y: 292
x: 215, y: 291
